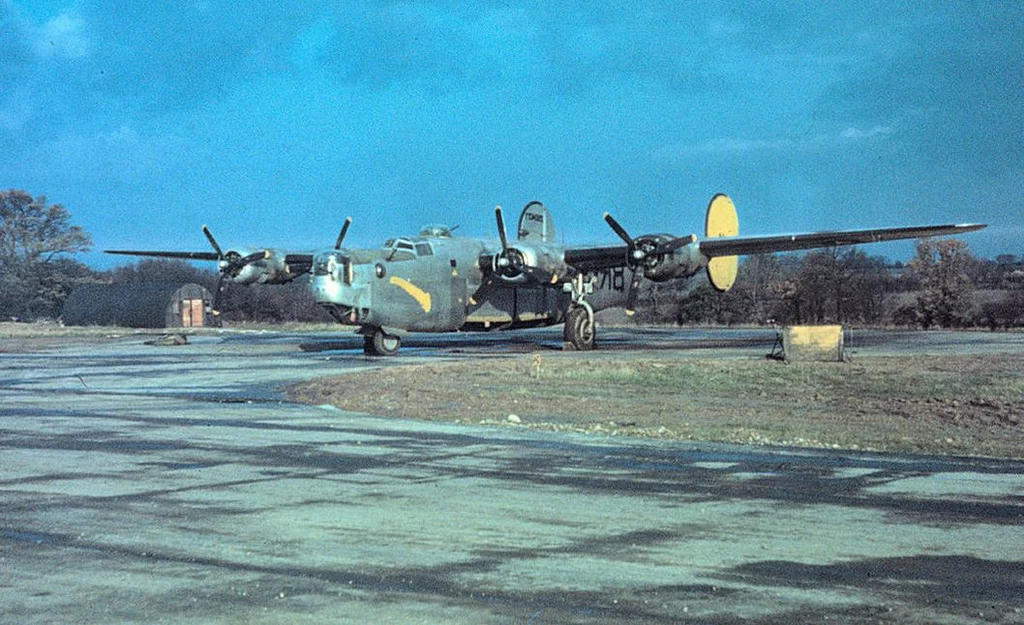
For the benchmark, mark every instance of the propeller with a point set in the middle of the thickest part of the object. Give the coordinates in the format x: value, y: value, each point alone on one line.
x: 646, y: 250
x: 512, y: 261
x: 509, y: 261
x: 642, y: 252
x: 344, y: 231
x: 231, y: 264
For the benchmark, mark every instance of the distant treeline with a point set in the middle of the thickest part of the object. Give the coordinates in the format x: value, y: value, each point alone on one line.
x: 943, y: 286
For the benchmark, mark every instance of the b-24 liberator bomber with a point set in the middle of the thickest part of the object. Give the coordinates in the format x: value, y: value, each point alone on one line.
x: 439, y: 282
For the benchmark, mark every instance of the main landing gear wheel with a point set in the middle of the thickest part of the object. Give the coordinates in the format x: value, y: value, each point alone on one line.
x: 579, y: 329
x: 380, y: 343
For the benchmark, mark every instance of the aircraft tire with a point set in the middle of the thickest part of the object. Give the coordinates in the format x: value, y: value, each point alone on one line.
x: 381, y: 344
x: 579, y: 330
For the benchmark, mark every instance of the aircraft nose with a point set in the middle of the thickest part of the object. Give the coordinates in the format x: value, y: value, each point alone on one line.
x: 325, y: 290
x: 341, y: 299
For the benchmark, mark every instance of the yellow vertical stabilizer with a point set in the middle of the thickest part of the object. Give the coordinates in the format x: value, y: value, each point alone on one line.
x: 722, y: 221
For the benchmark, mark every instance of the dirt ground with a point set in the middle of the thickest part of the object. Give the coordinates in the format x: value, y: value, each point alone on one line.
x: 959, y: 405
x: 23, y: 337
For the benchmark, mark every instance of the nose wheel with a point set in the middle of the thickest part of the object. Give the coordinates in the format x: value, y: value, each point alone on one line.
x: 377, y: 342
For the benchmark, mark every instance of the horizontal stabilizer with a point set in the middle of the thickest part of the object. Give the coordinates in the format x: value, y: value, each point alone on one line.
x: 729, y: 246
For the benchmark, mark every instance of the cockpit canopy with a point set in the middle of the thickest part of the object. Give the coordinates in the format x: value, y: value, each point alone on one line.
x: 406, y: 247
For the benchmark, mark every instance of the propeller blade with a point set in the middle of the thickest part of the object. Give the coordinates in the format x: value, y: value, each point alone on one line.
x: 251, y: 258
x: 480, y: 294
x: 216, y: 294
x: 675, y: 244
x: 213, y: 242
x: 632, y: 294
x: 344, y: 231
x: 619, y: 230
x: 501, y: 228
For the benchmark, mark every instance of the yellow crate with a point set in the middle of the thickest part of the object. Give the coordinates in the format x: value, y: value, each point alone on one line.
x: 813, y: 343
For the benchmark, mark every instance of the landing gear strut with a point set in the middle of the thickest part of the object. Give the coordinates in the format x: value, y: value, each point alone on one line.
x: 579, y: 331
x: 377, y: 342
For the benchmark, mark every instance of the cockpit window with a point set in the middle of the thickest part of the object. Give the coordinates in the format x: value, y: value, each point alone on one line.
x: 423, y: 249
x: 399, y: 244
x: 401, y: 249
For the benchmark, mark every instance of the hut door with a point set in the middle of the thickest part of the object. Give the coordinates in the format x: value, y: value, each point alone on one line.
x: 191, y: 313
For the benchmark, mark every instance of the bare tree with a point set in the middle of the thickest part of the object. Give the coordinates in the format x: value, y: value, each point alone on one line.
x: 942, y: 268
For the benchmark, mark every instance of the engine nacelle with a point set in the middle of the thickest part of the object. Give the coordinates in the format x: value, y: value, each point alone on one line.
x: 531, y: 262
x: 682, y: 262
x: 270, y: 269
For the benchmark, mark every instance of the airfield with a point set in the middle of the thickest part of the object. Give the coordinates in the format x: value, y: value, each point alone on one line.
x: 165, y: 484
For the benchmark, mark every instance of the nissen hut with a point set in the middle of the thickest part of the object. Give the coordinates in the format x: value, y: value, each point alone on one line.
x: 143, y: 305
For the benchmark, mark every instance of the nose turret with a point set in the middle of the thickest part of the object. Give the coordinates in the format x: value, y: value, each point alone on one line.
x: 337, y: 287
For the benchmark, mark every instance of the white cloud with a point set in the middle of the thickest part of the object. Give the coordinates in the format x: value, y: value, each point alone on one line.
x: 63, y: 37
x: 875, y: 131
x: 744, y: 145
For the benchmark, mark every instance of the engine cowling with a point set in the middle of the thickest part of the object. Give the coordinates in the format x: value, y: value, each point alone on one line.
x: 530, y: 262
x: 271, y: 268
x: 681, y: 262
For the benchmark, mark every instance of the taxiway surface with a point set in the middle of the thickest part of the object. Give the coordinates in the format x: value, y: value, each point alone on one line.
x: 143, y: 484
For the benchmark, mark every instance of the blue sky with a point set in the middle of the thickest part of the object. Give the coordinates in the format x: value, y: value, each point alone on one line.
x: 272, y: 123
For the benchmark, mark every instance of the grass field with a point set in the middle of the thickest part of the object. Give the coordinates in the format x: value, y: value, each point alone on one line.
x: 970, y: 405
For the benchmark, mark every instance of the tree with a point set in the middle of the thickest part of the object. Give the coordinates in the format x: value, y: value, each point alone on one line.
x: 839, y: 286
x: 163, y: 270
x: 866, y: 286
x: 35, y: 278
x: 757, y: 287
x: 272, y: 303
x: 698, y: 306
x: 1006, y: 312
x: 820, y: 286
x: 946, y: 298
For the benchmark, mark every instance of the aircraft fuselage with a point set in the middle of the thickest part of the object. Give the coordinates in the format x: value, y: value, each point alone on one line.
x: 438, y: 284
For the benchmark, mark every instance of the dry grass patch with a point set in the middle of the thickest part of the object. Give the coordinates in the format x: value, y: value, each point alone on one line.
x: 949, y: 404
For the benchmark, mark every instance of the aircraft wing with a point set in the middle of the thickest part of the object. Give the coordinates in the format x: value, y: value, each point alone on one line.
x: 596, y: 258
x: 185, y: 255
x: 298, y: 263
x: 732, y: 246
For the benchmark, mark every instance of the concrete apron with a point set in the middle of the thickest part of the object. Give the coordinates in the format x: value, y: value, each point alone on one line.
x: 143, y: 485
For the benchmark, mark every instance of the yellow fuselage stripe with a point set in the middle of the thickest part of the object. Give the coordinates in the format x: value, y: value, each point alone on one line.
x: 418, y: 294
